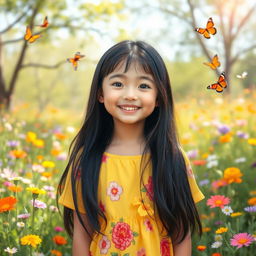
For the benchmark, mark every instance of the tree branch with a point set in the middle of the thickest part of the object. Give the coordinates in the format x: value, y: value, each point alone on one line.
x: 235, y: 58
x: 39, y: 65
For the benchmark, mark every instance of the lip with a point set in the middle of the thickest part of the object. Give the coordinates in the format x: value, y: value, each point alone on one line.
x: 129, y: 108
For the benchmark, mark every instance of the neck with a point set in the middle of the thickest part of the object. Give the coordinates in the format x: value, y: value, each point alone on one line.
x: 128, y: 134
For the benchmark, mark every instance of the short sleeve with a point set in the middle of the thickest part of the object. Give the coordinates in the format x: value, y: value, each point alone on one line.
x: 66, y: 197
x: 196, y: 192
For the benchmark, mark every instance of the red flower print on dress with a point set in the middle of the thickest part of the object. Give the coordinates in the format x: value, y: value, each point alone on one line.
x: 141, y: 252
x: 122, y: 235
x: 114, y: 191
x: 102, y: 206
x: 165, y: 247
x: 149, y: 188
x: 148, y: 225
x: 104, y: 158
x: 190, y: 171
x: 104, y: 245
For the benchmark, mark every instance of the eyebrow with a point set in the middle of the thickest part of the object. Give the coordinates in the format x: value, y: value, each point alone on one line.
x: 124, y: 76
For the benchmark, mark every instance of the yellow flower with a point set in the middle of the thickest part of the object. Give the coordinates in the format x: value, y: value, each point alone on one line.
x: 38, y: 143
x: 252, y: 108
x: 235, y: 214
x: 253, y: 192
x: 36, y: 190
x: 46, y: 174
x: 143, y: 209
x: 32, y: 240
x: 252, y: 201
x: 232, y: 175
x: 31, y: 136
x: 221, y: 230
x: 252, y: 141
x: 205, y: 155
x: 18, y: 153
x: 48, y: 164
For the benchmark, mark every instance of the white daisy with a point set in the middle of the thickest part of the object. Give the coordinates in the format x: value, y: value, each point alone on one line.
x: 227, y: 210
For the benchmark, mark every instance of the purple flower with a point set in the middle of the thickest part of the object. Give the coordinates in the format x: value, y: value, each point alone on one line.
x: 250, y: 208
x: 13, y: 143
x: 192, y: 153
x: 203, y: 182
x: 218, y: 222
x: 253, y: 165
x: 223, y: 129
x: 242, y: 135
x: 24, y: 216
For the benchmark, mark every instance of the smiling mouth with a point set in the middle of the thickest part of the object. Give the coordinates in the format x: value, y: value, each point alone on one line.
x: 129, y: 109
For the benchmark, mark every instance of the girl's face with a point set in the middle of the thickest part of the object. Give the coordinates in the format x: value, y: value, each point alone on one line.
x: 135, y: 88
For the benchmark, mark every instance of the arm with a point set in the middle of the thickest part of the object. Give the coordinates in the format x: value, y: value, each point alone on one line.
x: 184, y: 248
x: 81, y: 240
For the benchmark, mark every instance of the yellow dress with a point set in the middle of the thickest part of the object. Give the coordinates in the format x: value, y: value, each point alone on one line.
x: 130, y: 231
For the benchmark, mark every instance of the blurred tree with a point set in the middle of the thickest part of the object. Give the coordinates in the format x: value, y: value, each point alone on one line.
x: 29, y: 12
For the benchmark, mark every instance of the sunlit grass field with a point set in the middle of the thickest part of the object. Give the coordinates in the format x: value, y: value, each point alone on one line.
x: 218, y: 135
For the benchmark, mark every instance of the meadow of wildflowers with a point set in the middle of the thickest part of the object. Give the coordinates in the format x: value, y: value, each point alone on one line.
x: 220, y: 141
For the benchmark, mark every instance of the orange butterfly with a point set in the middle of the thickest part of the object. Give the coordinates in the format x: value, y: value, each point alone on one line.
x: 29, y: 37
x: 215, y: 62
x: 45, y: 23
x: 210, y: 29
x: 75, y: 60
x: 220, y: 85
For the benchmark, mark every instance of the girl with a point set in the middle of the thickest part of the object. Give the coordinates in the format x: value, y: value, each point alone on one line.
x: 128, y: 188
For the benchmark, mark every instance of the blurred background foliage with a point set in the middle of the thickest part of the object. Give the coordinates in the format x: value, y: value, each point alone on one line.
x: 37, y: 75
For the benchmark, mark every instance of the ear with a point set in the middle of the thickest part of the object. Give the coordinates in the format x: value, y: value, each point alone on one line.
x: 100, y: 96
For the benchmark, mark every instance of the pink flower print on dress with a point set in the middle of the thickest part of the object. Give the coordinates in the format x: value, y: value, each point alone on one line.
x: 104, y: 158
x: 190, y: 171
x: 148, y: 225
x: 165, y: 247
x: 149, y: 188
x: 141, y: 252
x: 114, y: 191
x: 102, y: 206
x: 122, y: 235
x: 104, y: 245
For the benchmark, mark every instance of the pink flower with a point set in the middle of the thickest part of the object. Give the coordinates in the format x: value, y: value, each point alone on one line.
x: 114, y: 191
x: 241, y: 239
x: 218, y: 201
x: 58, y: 229
x: 141, y: 252
x: 38, y: 204
x: 23, y: 216
x: 104, y: 245
x: 122, y: 235
x: 149, y: 188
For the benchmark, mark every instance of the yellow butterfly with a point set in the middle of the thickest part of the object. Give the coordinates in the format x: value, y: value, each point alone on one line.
x: 29, y: 37
x: 215, y: 62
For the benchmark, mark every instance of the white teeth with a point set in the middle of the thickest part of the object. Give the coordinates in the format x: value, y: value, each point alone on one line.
x: 129, y: 108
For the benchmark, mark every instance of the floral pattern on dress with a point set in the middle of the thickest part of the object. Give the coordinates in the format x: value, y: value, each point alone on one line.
x: 102, y: 206
x: 104, y: 158
x: 148, y: 224
x: 149, y: 188
x: 122, y: 235
x: 165, y: 247
x: 104, y: 245
x: 114, y: 191
x: 143, y: 209
x: 141, y: 252
x: 190, y: 171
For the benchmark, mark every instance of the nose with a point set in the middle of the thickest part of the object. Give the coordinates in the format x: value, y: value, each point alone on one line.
x: 130, y: 94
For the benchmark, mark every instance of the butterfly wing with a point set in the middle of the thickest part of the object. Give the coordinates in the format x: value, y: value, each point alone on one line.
x: 210, y: 27
x: 209, y: 64
x: 215, y: 61
x: 33, y: 38
x: 222, y: 81
x: 78, y: 56
x: 203, y: 31
x: 216, y: 87
x: 28, y: 33
x: 73, y: 61
x: 45, y: 22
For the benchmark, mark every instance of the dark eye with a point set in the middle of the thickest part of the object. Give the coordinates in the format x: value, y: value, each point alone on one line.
x: 144, y: 86
x: 117, y: 84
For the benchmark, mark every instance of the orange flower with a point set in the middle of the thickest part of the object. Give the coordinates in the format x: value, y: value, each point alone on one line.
x: 206, y: 229
x: 232, y: 175
x: 18, y: 153
x: 252, y: 201
x: 216, y: 254
x: 199, y: 162
x: 60, y: 136
x: 225, y: 138
x: 56, y: 252
x: 252, y: 109
x: 201, y: 248
x: 55, y: 152
x: 15, y: 188
x: 40, y: 157
x: 59, y: 240
x: 46, y: 174
x: 7, y: 203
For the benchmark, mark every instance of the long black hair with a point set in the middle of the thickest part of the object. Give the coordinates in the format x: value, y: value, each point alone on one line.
x: 172, y: 196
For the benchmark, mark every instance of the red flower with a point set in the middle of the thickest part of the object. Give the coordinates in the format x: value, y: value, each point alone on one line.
x: 165, y: 247
x: 102, y: 207
x: 122, y: 235
x: 148, y: 225
x: 199, y: 162
x: 149, y: 188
